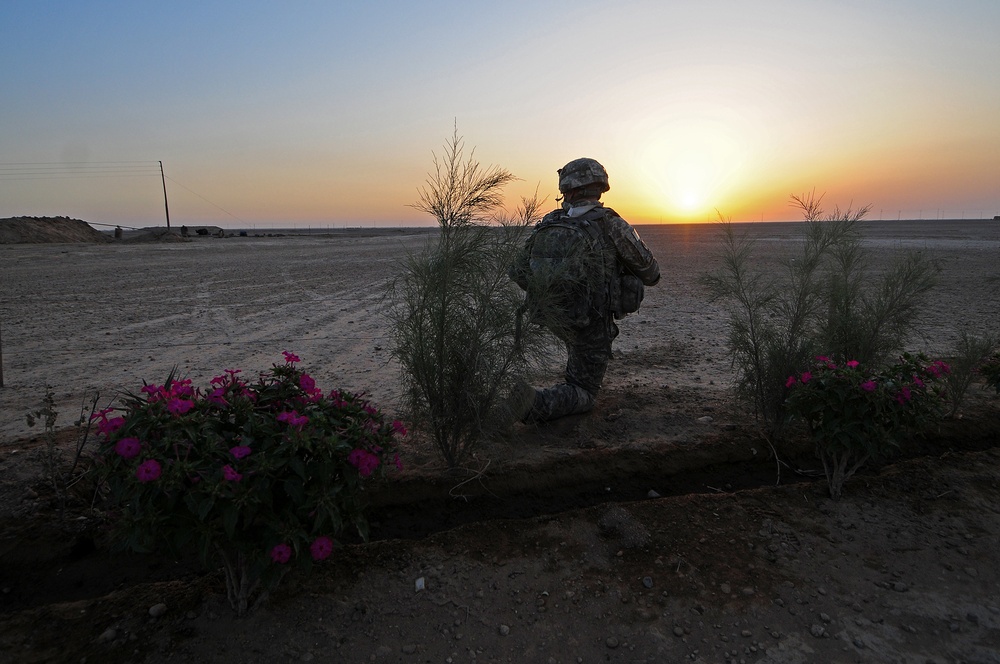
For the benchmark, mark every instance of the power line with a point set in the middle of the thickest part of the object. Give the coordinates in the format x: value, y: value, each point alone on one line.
x: 205, y: 199
x: 72, y: 170
x: 74, y: 177
x: 61, y: 163
x: 26, y: 170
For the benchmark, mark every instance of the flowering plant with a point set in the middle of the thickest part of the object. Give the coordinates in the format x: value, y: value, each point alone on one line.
x: 258, y: 474
x: 857, y: 413
x: 990, y: 370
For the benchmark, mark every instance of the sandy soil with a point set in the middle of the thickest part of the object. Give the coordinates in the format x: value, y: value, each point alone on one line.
x: 556, y: 551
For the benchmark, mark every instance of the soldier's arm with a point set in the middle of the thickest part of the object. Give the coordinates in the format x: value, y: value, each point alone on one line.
x: 632, y: 251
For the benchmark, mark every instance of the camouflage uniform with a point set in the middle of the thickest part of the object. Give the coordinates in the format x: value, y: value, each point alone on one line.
x: 588, y: 346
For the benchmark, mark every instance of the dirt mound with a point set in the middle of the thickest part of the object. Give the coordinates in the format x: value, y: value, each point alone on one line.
x: 32, y: 230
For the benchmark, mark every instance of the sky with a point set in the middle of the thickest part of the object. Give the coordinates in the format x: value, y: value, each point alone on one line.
x: 330, y: 113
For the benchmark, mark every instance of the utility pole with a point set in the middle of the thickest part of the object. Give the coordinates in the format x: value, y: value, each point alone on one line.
x: 166, y: 208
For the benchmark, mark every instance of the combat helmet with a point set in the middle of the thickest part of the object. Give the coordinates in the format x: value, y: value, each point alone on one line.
x: 582, y: 172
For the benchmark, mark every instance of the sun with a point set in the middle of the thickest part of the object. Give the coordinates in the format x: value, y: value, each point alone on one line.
x: 691, y: 201
x: 690, y: 166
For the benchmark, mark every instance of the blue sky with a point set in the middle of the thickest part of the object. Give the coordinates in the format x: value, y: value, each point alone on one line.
x: 328, y: 113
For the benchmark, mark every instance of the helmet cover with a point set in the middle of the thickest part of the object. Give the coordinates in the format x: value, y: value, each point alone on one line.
x: 582, y: 172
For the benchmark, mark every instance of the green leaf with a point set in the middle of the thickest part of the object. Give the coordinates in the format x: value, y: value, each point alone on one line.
x: 205, y: 506
x: 295, y: 489
x: 230, y: 516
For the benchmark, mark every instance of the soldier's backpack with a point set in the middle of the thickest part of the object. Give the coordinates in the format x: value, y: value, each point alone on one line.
x: 568, y: 282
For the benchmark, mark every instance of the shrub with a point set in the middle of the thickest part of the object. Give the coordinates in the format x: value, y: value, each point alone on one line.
x: 60, y: 481
x: 455, y: 311
x: 826, y: 298
x: 252, y: 474
x: 768, y: 337
x: 972, y: 352
x: 990, y: 371
x: 857, y: 412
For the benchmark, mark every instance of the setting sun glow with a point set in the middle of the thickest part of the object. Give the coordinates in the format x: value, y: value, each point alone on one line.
x: 689, y: 167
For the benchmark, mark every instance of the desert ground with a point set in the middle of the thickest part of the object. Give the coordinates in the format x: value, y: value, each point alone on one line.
x: 655, y: 529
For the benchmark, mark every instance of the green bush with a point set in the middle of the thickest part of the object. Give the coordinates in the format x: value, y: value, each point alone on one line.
x: 857, y: 412
x: 972, y: 352
x: 990, y: 371
x: 455, y: 313
x: 826, y: 298
x: 251, y: 474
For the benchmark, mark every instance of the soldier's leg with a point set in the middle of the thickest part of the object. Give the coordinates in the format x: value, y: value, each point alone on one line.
x: 587, y: 361
x: 558, y: 401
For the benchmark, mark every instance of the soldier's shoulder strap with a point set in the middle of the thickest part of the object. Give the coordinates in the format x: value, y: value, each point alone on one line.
x: 553, y: 217
x: 594, y: 225
x: 589, y: 222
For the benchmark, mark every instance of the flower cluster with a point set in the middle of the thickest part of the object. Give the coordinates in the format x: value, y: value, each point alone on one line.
x: 902, y: 382
x: 268, y: 469
x: 855, y: 413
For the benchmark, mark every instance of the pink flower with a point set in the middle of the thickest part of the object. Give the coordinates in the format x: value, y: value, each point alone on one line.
x: 240, y: 451
x: 105, y: 425
x: 108, y: 427
x: 321, y: 547
x: 791, y: 381
x: 371, y: 410
x: 338, y: 399
x: 868, y: 386
x: 148, y: 471
x: 127, y: 448
x: 907, y: 395
x: 398, y: 428
x: 179, y: 406
x: 102, y: 414
x: 290, y: 358
x: 364, y: 461
x: 938, y: 368
x: 181, y: 388
x: 155, y: 392
x: 806, y: 376
x: 230, y: 475
x: 217, y: 396
x: 307, y: 383
x: 917, y: 381
x: 281, y: 553
x: 852, y: 363
x: 293, y: 419
x: 822, y: 358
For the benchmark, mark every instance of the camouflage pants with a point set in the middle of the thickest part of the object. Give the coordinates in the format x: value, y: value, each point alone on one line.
x: 588, y: 352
